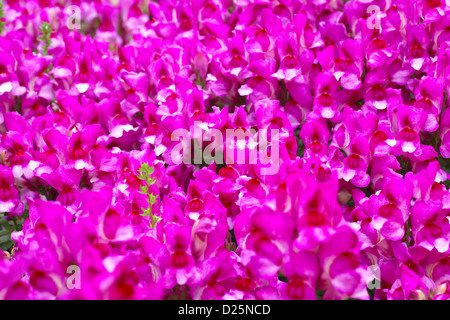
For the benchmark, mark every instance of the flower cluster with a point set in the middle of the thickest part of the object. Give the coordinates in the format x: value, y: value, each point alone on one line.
x: 98, y: 201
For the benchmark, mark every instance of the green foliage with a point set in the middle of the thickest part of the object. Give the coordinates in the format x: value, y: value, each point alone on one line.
x: 179, y: 292
x: 145, y: 173
x: 45, y: 36
x: 319, y: 294
x: 18, y: 105
x: 300, y: 143
x: 232, y: 7
x: 282, y: 277
x: 405, y: 165
x: 5, y: 235
x: 8, y: 226
x: 2, y: 18
x: 199, y: 80
x: 231, y: 243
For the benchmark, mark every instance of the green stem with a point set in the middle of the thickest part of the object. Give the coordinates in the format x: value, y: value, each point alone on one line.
x: 15, y: 223
x: 2, y: 17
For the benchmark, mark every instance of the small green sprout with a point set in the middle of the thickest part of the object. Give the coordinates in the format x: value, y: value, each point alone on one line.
x: 46, y: 30
x: 145, y: 172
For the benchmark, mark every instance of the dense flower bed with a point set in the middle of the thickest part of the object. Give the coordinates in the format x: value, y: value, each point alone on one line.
x: 95, y: 202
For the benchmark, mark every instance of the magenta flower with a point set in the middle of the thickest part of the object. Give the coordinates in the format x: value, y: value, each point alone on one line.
x: 337, y: 190
x: 8, y: 78
x: 315, y: 136
x: 356, y: 164
x: 325, y: 105
x: 9, y: 195
x: 410, y: 121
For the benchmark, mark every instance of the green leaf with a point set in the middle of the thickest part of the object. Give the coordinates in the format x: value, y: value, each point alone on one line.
x: 282, y: 277
x: 319, y: 294
x: 5, y: 240
x: 6, y: 224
